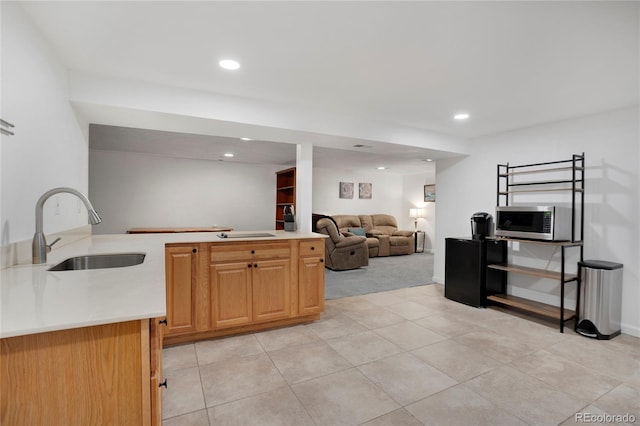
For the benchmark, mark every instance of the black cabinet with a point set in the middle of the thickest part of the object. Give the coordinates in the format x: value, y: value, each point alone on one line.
x: 466, y: 277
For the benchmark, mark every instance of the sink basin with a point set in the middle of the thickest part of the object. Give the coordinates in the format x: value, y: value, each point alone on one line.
x: 99, y: 261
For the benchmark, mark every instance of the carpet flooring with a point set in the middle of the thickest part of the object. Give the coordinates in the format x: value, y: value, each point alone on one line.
x: 382, y: 274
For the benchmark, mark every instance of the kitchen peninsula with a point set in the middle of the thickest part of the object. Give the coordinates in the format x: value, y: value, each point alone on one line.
x: 88, y: 342
x: 242, y: 282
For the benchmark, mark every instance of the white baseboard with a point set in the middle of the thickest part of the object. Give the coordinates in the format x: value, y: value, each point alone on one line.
x: 630, y: 330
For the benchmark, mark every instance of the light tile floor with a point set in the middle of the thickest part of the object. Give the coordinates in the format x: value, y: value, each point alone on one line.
x: 403, y: 357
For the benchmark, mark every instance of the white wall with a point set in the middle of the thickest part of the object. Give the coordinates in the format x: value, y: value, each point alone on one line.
x: 612, y: 231
x: 392, y: 194
x: 140, y: 190
x: 49, y: 148
x: 414, y: 197
x: 387, y: 193
x: 132, y: 190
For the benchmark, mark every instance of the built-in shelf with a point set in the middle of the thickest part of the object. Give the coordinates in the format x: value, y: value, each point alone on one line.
x: 285, y: 193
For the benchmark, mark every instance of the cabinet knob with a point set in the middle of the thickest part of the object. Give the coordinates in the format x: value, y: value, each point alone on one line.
x: 255, y: 265
x: 249, y: 265
x: 163, y: 384
x: 313, y: 248
x: 321, y: 260
x: 253, y: 252
x: 195, y: 250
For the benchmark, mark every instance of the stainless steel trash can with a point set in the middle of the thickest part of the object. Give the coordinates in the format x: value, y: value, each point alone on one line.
x: 600, y: 299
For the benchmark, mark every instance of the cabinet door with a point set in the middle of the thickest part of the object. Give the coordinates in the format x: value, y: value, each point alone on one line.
x: 271, y: 289
x: 95, y: 375
x: 311, y: 277
x: 181, y: 273
x: 311, y: 285
x: 230, y: 294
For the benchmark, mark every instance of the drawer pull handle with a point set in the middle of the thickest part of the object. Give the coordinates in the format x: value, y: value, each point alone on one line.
x: 163, y: 384
x: 163, y: 321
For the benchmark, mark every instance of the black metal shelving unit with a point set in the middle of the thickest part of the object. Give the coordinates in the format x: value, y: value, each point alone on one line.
x: 507, y: 186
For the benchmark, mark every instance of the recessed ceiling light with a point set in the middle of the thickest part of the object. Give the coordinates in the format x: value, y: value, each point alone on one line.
x: 229, y: 64
x: 461, y: 116
x: 229, y: 154
x: 428, y: 160
x: 382, y: 168
x: 246, y: 139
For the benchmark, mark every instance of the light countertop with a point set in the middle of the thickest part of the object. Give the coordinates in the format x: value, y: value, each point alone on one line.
x: 35, y: 300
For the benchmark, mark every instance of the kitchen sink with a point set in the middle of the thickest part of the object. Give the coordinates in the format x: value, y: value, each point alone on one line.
x: 99, y: 261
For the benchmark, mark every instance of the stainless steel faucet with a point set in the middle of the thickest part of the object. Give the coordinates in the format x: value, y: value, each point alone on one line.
x: 39, y: 246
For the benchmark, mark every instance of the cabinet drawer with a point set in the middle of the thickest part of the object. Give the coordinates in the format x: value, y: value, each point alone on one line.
x: 221, y: 253
x: 225, y: 253
x: 272, y: 250
x: 312, y: 248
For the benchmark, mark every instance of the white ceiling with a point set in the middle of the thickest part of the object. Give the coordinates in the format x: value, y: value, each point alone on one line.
x: 192, y: 146
x: 508, y: 64
x: 402, y: 160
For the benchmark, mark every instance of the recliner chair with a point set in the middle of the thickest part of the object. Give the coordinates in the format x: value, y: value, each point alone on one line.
x: 347, y: 222
x: 342, y: 253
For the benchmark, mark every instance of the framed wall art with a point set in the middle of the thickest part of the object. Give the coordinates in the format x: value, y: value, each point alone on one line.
x: 430, y: 193
x: 346, y: 189
x: 364, y: 190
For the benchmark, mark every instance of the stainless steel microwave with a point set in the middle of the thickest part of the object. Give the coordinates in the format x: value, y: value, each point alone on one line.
x: 547, y: 223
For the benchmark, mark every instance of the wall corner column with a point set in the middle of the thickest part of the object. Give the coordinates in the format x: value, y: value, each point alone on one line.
x: 304, y: 186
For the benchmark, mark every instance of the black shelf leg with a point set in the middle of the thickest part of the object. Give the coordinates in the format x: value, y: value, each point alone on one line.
x: 562, y: 281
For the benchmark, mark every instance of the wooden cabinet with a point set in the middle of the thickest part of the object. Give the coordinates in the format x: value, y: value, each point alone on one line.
x: 230, y: 294
x: 249, y: 283
x: 105, y: 374
x: 285, y: 193
x: 311, y: 277
x: 181, y: 268
x: 271, y: 289
x: 243, y: 286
